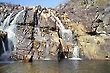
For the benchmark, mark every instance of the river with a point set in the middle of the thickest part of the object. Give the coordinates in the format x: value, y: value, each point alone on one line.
x: 65, y: 66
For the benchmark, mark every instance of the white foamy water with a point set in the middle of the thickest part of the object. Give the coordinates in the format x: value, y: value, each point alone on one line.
x: 10, y: 29
x: 67, y: 35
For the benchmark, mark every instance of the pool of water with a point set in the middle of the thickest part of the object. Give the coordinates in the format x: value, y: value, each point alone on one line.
x: 65, y: 66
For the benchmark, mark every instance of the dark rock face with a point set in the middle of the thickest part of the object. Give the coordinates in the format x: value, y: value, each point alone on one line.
x: 1, y: 48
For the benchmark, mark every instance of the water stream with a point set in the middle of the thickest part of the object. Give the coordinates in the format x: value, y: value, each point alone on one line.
x: 10, y: 29
x: 47, y: 57
x: 6, y: 22
x: 4, y: 49
x: 67, y: 36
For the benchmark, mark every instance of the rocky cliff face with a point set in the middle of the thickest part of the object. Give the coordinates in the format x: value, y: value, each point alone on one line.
x: 43, y: 25
x: 91, y: 22
x: 89, y: 25
x: 94, y: 15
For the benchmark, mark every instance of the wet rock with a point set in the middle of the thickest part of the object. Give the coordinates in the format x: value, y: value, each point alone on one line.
x: 2, y: 34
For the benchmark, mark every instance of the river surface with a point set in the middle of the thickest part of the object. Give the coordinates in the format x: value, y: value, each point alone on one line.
x: 65, y: 66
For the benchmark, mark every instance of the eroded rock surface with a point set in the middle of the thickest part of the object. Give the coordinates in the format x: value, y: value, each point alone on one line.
x: 90, y: 24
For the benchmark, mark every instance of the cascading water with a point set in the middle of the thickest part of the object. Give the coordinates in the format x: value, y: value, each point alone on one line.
x: 6, y: 54
x: 4, y: 49
x: 58, y: 22
x: 66, y: 34
x: 76, y: 52
x: 11, y: 31
x: 6, y: 22
x: 1, y: 15
x: 47, y: 48
x: 11, y: 35
x: 4, y: 26
x: 75, y: 55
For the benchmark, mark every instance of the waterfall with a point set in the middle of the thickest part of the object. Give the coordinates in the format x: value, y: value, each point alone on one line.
x: 6, y: 22
x: 58, y: 22
x: 46, y: 51
x: 66, y: 34
x: 75, y: 55
x: 10, y: 42
x: 4, y: 26
x: 76, y: 52
x: 4, y: 49
x: 11, y: 31
x: 5, y: 56
x: 17, y: 17
x: 47, y: 48
x: 1, y: 23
